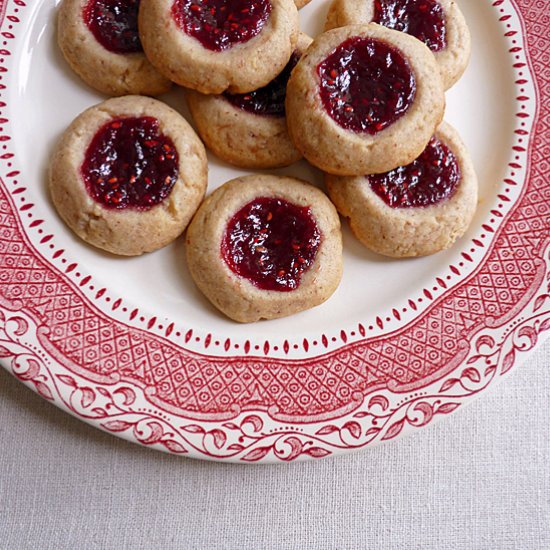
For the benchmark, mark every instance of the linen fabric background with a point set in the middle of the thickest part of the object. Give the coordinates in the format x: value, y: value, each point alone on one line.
x: 479, y: 479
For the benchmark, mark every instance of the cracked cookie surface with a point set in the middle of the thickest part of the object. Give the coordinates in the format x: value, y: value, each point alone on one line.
x: 263, y: 247
x: 364, y: 99
x: 414, y: 210
x: 440, y: 24
x: 128, y: 175
x: 249, y: 130
x: 100, y: 42
x: 212, y: 46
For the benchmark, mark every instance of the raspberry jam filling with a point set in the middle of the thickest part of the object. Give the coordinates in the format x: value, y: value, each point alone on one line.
x: 130, y: 164
x: 432, y: 178
x: 271, y: 242
x: 423, y: 19
x: 366, y: 85
x: 269, y: 100
x: 114, y: 24
x: 220, y: 24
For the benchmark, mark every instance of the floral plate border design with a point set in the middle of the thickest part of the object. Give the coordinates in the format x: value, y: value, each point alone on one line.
x: 251, y: 408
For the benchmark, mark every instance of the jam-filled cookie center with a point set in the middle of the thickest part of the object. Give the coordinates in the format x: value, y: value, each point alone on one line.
x: 221, y: 24
x: 114, y: 24
x: 271, y: 242
x: 432, y: 178
x: 423, y: 19
x: 366, y: 85
x: 130, y: 163
x: 269, y: 100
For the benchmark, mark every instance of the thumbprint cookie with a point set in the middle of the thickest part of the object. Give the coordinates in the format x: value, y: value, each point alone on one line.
x: 249, y: 130
x: 128, y: 175
x: 414, y: 210
x: 216, y: 45
x: 438, y: 23
x: 364, y: 99
x: 263, y: 247
x: 100, y: 41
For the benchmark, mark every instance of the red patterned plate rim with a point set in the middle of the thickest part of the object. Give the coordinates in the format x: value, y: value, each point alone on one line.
x: 249, y: 402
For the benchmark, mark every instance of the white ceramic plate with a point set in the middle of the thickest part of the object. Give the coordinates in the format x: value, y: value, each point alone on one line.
x: 130, y: 345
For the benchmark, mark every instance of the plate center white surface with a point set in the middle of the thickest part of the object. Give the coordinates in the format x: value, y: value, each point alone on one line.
x: 48, y: 96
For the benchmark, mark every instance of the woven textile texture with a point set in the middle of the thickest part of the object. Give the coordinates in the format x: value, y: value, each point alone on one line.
x: 479, y: 479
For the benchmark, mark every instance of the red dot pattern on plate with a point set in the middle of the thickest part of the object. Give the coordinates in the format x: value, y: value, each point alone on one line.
x: 366, y: 85
x: 130, y: 163
x: 221, y: 24
x: 114, y: 24
x: 423, y: 19
x: 271, y: 242
x: 432, y: 178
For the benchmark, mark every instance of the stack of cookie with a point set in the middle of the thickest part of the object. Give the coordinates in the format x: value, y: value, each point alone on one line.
x: 363, y: 101
x: 403, y: 178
